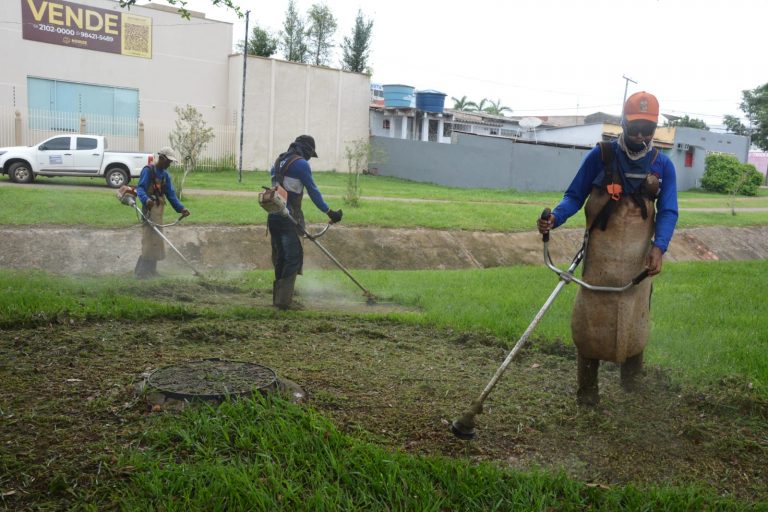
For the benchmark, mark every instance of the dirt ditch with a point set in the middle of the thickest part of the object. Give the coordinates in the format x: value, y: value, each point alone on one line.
x: 77, y: 250
x: 70, y: 405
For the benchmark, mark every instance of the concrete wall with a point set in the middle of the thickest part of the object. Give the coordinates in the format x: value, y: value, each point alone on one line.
x: 474, y: 161
x: 286, y: 99
x: 189, y: 63
x: 701, y: 143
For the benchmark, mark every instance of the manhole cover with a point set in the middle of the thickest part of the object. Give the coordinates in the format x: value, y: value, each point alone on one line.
x: 212, y: 379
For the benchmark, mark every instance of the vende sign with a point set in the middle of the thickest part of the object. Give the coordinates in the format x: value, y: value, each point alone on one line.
x: 83, y: 26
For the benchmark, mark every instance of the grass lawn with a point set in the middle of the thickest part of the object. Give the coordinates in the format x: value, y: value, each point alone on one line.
x: 382, y: 382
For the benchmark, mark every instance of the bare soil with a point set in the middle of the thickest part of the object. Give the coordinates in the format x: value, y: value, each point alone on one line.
x: 70, y: 404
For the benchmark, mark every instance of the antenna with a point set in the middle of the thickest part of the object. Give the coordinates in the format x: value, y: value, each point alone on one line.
x: 626, y: 84
x: 530, y: 124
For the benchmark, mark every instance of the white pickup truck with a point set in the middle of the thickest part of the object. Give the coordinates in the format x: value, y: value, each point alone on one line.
x: 71, y: 155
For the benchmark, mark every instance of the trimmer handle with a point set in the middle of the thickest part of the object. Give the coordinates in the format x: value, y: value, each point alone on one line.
x: 639, y: 277
x: 545, y: 216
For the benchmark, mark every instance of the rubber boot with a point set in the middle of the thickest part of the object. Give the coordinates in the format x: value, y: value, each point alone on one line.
x: 587, y: 393
x: 631, y: 371
x: 284, y: 292
x: 145, y: 269
x: 152, y: 268
x: 138, y: 270
x: 142, y: 269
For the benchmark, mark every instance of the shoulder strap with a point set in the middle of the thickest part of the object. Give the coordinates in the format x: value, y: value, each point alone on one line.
x: 611, y: 183
x: 280, y: 173
x: 606, y: 153
x: 655, y: 155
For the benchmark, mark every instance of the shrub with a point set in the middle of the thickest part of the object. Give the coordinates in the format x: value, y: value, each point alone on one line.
x: 726, y: 175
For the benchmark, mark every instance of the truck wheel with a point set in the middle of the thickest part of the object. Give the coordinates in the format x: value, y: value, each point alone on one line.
x: 20, y: 172
x: 116, y: 177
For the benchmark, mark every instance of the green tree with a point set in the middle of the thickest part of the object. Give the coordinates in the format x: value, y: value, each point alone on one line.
x: 496, y: 108
x: 292, y: 39
x: 357, y: 48
x: 477, y: 107
x: 261, y: 43
x: 734, y: 125
x: 754, y: 104
x: 462, y: 104
x: 688, y: 122
x: 182, y: 6
x: 726, y: 175
x: 189, y: 138
x: 322, y: 27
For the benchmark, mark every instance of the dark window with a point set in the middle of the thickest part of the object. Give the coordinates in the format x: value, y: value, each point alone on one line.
x: 386, y: 124
x: 58, y: 144
x: 86, y: 143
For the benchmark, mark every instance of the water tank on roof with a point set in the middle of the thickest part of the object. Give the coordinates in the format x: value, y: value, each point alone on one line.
x: 399, y: 96
x: 430, y: 101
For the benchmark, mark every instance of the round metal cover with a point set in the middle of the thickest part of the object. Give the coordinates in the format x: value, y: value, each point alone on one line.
x: 212, y: 379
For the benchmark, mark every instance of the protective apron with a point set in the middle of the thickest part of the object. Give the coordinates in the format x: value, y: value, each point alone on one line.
x: 152, y: 246
x: 607, y: 325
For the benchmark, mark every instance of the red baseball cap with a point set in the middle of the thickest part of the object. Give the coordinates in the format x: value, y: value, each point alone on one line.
x: 642, y: 105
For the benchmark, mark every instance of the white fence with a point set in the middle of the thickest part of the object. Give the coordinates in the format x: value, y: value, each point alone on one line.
x: 122, y: 134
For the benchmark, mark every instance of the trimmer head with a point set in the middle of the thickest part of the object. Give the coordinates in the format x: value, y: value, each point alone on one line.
x: 463, y: 427
x: 462, y: 431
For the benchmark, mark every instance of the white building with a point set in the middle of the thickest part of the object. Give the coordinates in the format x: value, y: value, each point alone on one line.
x: 93, y: 66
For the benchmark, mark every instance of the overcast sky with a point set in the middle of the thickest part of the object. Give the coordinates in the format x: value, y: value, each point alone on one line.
x: 548, y: 57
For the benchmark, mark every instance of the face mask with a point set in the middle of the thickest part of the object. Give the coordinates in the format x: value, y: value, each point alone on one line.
x: 633, y: 146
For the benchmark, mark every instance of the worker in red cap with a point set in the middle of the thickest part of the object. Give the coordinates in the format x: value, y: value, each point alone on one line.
x: 631, y: 211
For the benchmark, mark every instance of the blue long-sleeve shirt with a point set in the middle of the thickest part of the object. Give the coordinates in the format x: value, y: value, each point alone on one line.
x: 592, y: 168
x: 145, y: 186
x: 297, y: 177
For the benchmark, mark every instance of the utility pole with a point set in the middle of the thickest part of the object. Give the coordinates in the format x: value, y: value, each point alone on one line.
x: 242, y: 100
x: 626, y: 85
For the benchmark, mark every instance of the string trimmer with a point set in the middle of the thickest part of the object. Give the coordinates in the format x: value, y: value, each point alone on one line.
x: 464, y: 426
x: 127, y: 196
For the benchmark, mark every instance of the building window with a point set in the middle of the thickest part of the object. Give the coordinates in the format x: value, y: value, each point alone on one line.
x: 58, y: 105
x: 386, y: 124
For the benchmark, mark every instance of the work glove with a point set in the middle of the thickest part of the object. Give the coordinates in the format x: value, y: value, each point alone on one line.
x: 334, y: 215
x: 149, y: 204
x: 185, y: 213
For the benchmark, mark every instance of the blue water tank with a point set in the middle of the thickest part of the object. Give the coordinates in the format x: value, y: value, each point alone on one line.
x: 399, y: 96
x: 430, y: 101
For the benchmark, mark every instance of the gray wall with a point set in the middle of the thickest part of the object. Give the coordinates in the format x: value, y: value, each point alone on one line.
x: 474, y: 161
x: 703, y: 142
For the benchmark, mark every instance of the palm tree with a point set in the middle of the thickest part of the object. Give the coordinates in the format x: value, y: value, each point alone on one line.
x: 496, y: 108
x: 477, y: 107
x: 461, y: 104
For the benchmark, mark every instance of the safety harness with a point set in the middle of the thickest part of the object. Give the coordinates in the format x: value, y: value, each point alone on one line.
x: 612, y: 185
x: 275, y: 199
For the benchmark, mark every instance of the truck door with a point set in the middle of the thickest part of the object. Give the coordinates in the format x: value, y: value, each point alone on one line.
x: 55, y: 154
x: 88, y: 155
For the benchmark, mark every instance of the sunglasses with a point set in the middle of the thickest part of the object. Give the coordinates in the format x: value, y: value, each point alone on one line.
x: 638, y: 128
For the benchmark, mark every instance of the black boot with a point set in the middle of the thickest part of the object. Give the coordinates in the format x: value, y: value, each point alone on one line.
x: 145, y: 269
x: 152, y: 268
x: 283, y: 294
x: 587, y: 393
x: 141, y: 272
x: 631, y: 372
